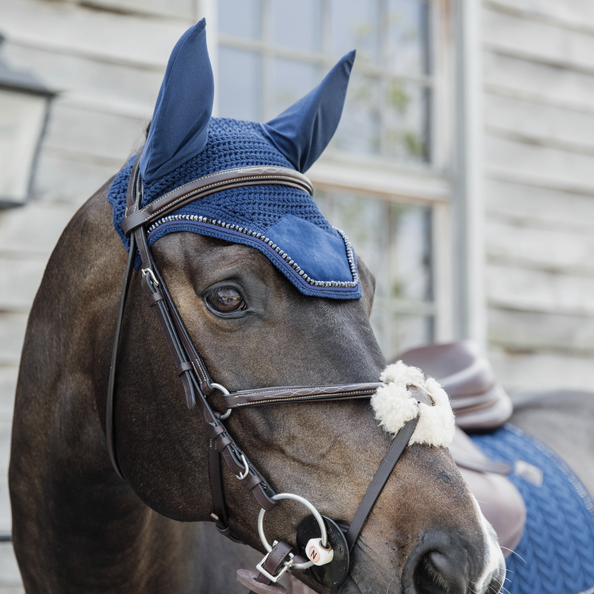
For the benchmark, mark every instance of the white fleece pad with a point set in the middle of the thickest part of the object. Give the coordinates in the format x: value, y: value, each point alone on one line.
x: 394, y: 405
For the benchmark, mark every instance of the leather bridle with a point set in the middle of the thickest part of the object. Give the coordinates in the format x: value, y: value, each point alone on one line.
x: 192, y: 370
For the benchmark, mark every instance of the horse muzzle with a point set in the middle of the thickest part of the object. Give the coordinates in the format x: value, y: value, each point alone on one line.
x: 444, y: 563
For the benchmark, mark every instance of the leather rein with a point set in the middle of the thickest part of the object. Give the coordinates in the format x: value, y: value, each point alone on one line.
x: 192, y: 370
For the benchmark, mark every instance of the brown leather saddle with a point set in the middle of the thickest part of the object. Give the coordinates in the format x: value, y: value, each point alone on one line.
x: 480, y: 404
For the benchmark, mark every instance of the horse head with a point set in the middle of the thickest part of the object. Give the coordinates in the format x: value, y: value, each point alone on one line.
x: 270, y: 295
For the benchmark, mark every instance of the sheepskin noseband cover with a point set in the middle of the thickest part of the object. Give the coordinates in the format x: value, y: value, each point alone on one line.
x: 394, y: 405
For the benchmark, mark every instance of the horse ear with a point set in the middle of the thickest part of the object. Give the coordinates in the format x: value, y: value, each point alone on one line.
x: 303, y: 131
x: 179, y: 129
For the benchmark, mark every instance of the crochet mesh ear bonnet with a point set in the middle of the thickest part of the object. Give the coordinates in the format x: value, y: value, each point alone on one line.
x: 185, y: 143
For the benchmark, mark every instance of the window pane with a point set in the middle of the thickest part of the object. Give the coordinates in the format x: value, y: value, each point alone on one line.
x: 408, y: 36
x: 298, y: 24
x: 407, y: 258
x: 240, y: 18
x: 396, y: 332
x: 240, y: 84
x: 393, y: 239
x: 406, y: 122
x: 359, y: 129
x: 292, y: 80
x: 355, y: 25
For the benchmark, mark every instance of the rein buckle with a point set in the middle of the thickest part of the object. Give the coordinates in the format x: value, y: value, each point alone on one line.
x: 284, y: 568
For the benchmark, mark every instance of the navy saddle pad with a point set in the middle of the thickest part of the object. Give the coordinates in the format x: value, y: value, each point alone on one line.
x: 556, y: 552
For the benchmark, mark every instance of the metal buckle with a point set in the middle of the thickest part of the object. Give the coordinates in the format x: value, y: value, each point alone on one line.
x: 148, y: 272
x: 225, y: 393
x: 241, y: 476
x: 286, y: 566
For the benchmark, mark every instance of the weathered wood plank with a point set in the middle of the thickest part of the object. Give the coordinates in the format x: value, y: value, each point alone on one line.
x: 82, y: 130
x: 8, y: 382
x: 548, y: 249
x: 546, y: 123
x: 60, y: 178
x: 12, y: 330
x: 172, y: 8
x: 10, y: 579
x: 536, y: 331
x: 11, y: 589
x: 539, y: 206
x: 80, y: 77
x: 574, y: 88
x: 20, y: 281
x: 573, y: 13
x: 5, y: 432
x: 34, y: 229
x: 522, y: 371
x: 80, y: 30
x: 537, y: 290
x: 544, y: 164
x: 543, y: 41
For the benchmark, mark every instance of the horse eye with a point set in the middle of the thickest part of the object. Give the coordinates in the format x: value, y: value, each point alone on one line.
x: 226, y: 300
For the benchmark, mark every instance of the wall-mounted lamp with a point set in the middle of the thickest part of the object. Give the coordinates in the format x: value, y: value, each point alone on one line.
x: 24, y: 107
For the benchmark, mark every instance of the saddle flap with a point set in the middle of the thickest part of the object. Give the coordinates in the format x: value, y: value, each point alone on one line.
x: 499, y: 500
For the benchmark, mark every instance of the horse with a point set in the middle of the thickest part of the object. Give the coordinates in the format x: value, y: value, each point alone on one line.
x: 104, y: 505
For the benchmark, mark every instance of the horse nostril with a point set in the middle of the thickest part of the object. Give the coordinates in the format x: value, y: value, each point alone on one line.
x: 496, y: 584
x: 438, y: 571
x: 445, y: 572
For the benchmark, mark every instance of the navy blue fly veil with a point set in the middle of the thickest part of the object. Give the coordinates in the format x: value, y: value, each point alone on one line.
x: 185, y: 143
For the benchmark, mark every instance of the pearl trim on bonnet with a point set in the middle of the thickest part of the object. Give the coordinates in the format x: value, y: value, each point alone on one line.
x: 394, y: 405
x: 316, y: 283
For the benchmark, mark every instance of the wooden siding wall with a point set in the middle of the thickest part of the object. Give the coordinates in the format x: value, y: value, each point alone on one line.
x: 539, y: 190
x: 106, y: 59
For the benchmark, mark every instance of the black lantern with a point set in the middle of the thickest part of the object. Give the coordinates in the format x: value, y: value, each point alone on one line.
x: 24, y: 108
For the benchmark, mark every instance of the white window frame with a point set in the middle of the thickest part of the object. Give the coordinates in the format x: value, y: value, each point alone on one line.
x: 450, y: 183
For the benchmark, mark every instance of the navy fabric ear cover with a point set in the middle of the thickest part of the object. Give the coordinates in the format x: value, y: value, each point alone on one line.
x: 303, y: 131
x: 179, y: 128
x: 284, y: 223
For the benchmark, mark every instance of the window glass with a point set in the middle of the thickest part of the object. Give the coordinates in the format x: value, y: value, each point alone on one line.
x: 355, y: 25
x: 241, y: 18
x: 394, y: 241
x: 407, y: 253
x: 297, y: 24
x: 407, y: 36
x: 292, y: 80
x: 240, y: 84
x: 386, y: 114
x: 269, y: 61
x: 405, y: 122
x: 397, y: 332
x: 360, y: 125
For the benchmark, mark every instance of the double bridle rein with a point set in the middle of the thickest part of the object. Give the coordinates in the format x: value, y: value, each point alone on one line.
x: 192, y: 370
